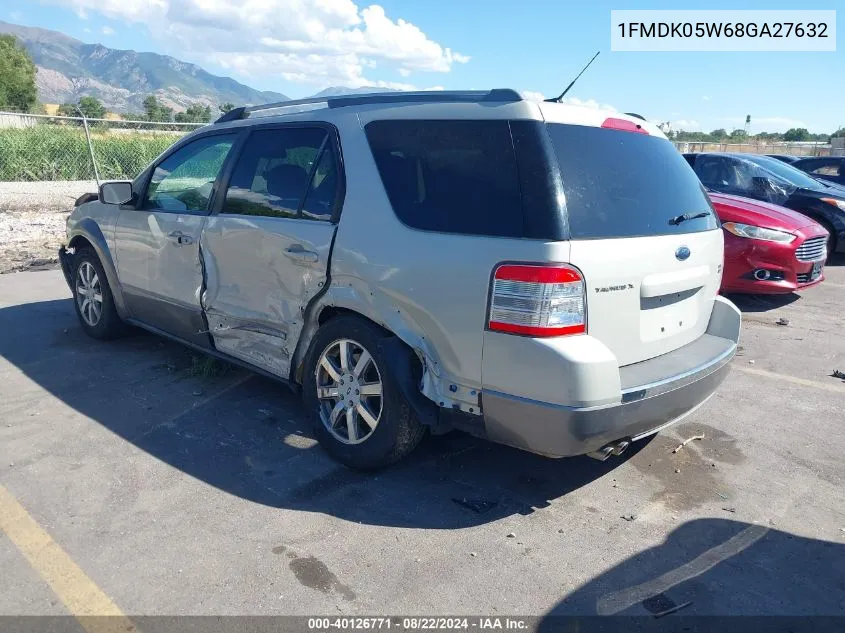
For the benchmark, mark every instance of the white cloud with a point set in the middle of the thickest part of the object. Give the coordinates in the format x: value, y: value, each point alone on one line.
x: 530, y: 95
x: 705, y: 98
x: 687, y: 125
x: 306, y: 41
x: 589, y: 103
x: 107, y: 30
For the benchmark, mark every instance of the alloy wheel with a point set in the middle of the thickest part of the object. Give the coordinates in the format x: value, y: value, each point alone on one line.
x: 349, y: 391
x: 89, y: 293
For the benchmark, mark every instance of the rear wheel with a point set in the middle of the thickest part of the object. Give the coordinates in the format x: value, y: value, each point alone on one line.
x: 359, y: 413
x: 92, y: 297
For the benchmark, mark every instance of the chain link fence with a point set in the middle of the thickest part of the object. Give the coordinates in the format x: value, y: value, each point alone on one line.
x: 35, y: 147
x: 808, y: 148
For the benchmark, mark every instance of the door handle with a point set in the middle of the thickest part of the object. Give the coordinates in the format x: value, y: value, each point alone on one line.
x: 180, y: 238
x: 299, y: 254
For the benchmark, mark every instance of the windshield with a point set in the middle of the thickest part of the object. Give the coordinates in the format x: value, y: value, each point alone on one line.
x: 786, y: 172
x: 621, y: 184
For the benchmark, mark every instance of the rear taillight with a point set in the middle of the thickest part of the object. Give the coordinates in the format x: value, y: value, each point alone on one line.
x: 537, y: 300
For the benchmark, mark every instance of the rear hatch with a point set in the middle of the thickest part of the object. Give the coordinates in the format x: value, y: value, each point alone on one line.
x: 651, y: 266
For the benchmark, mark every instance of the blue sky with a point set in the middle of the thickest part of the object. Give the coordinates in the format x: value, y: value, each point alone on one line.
x: 299, y: 47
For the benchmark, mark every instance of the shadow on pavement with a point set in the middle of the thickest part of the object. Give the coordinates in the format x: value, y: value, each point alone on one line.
x: 245, y: 434
x: 762, y: 303
x: 719, y: 567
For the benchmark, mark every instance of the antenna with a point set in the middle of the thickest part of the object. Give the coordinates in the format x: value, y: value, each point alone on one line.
x: 572, y: 83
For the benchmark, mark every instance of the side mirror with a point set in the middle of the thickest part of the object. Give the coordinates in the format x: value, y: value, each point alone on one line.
x: 119, y: 192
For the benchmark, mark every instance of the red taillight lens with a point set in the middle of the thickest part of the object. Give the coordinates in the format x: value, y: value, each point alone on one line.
x: 624, y: 125
x: 537, y: 300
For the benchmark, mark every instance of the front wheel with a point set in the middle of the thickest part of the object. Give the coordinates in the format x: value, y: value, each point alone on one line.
x: 360, y: 415
x: 92, y: 297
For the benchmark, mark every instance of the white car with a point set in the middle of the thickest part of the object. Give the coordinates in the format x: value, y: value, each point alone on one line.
x: 539, y: 274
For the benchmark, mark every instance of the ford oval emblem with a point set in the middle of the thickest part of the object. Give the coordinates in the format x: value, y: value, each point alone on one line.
x: 682, y: 253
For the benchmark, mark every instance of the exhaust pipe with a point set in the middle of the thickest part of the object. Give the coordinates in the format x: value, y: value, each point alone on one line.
x: 761, y: 274
x: 614, y: 448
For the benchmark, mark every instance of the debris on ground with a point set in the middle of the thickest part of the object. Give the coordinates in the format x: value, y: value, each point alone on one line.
x: 629, y: 517
x: 751, y: 362
x: 473, y: 554
x: 782, y: 321
x: 721, y: 495
x: 729, y: 509
x: 687, y: 441
x: 560, y: 531
x: 476, y: 505
x: 678, y: 607
x: 838, y: 374
x: 511, y: 535
x: 677, y: 471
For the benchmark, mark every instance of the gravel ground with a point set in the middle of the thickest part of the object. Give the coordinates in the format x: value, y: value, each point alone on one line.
x: 32, y: 221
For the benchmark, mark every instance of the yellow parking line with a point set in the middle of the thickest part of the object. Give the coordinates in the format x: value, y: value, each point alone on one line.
x: 834, y: 387
x: 74, y: 588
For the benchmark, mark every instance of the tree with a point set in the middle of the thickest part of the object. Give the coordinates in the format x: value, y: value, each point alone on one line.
x: 17, y: 76
x: 90, y: 107
x: 737, y: 134
x: 227, y: 107
x: 796, y: 134
x: 156, y: 111
x: 719, y: 134
x: 838, y: 133
x: 194, y: 114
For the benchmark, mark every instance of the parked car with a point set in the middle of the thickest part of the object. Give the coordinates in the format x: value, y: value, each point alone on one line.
x: 770, y: 180
x: 830, y: 168
x: 542, y: 275
x: 768, y: 249
x: 785, y: 158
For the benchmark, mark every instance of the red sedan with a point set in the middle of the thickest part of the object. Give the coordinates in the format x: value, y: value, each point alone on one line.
x: 768, y: 249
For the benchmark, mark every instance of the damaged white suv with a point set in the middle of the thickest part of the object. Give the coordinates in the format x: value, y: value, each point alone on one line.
x: 542, y: 275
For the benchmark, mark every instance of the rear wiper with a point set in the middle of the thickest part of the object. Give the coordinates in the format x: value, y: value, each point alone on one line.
x: 688, y: 216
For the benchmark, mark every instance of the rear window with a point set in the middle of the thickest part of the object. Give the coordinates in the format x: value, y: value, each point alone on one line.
x: 450, y: 176
x: 623, y: 184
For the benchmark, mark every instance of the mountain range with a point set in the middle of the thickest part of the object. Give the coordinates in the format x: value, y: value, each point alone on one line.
x: 121, y: 79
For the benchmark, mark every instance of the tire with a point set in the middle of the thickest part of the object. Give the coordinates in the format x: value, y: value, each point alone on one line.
x: 89, y: 283
x: 358, y: 444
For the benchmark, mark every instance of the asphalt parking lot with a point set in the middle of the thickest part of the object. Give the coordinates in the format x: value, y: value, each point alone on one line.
x: 131, y: 483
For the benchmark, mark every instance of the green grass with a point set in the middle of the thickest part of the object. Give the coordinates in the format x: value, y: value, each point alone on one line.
x: 60, y: 152
x: 207, y: 367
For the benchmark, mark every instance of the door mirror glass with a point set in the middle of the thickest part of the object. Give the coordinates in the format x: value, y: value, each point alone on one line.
x: 116, y: 192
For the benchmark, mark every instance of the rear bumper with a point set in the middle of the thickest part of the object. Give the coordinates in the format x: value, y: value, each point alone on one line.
x: 654, y: 394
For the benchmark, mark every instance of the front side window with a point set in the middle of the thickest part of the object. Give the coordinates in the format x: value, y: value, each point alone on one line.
x: 272, y: 175
x: 183, y: 181
x: 450, y: 176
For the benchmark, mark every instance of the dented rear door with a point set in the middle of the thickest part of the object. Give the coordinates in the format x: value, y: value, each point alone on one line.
x: 265, y: 252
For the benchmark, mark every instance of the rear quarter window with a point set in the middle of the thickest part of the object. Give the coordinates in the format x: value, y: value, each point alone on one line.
x: 450, y: 176
x: 623, y: 184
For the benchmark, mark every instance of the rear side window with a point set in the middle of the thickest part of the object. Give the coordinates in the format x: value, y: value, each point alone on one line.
x: 273, y: 173
x: 624, y: 184
x: 450, y: 176
x: 822, y: 168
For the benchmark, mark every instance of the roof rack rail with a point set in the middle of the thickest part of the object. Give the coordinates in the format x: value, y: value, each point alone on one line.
x: 499, y: 95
